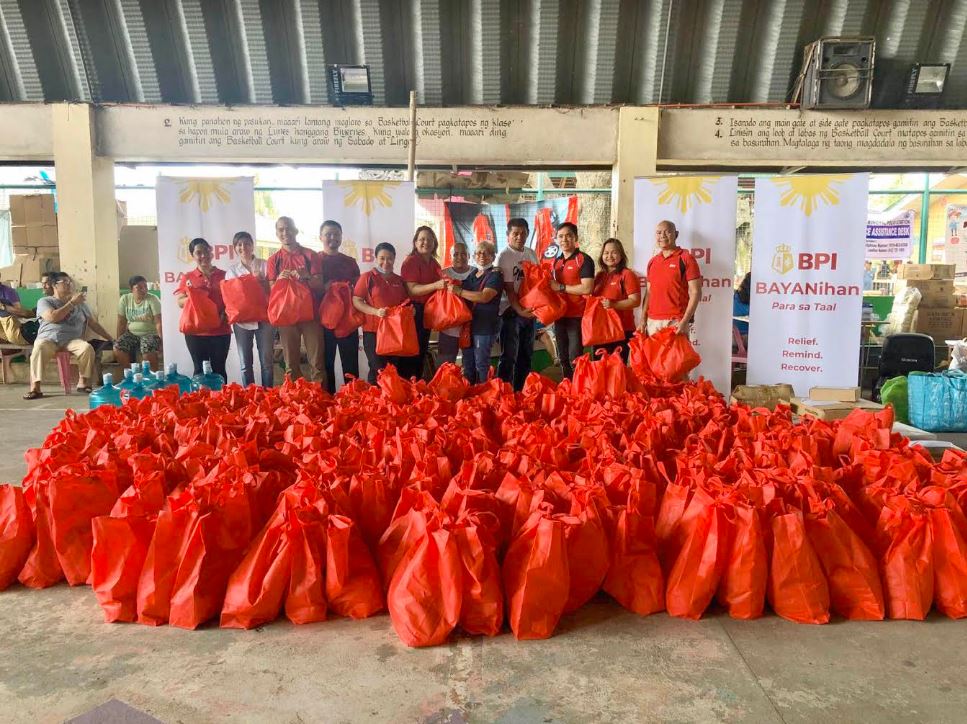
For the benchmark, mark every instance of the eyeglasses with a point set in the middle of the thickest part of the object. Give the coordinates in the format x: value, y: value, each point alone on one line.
x: 65, y: 282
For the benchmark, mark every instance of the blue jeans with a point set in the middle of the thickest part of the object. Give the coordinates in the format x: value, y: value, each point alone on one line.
x: 476, y: 358
x: 263, y: 337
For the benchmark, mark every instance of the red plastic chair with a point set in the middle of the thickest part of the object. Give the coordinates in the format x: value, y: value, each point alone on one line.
x: 741, y: 356
x: 64, y: 370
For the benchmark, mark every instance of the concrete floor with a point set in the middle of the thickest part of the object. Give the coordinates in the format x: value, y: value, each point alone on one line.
x: 58, y: 660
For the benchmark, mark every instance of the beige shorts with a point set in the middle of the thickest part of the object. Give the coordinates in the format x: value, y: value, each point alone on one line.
x: 655, y: 324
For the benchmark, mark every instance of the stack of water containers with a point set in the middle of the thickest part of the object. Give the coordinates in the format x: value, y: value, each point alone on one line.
x: 139, y: 382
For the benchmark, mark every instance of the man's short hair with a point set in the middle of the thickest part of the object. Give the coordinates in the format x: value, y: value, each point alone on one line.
x: 518, y: 222
x: 136, y: 279
x: 330, y: 222
x: 54, y: 277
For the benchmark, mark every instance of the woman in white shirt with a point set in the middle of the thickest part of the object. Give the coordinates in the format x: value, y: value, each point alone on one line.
x: 261, y: 333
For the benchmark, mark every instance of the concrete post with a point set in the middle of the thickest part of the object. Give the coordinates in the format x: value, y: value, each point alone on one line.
x: 637, y: 156
x: 86, y: 209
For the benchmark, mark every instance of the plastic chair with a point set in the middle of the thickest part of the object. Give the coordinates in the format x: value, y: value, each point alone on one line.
x: 64, y: 370
x: 741, y: 355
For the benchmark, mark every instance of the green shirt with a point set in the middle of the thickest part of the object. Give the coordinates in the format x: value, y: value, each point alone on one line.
x: 141, y: 317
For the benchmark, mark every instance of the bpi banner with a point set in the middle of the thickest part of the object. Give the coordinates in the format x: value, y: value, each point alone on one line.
x: 808, y: 245
x: 210, y: 208
x: 370, y: 212
x: 703, y: 210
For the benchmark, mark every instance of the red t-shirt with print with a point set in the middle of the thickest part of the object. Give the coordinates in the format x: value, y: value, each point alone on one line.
x: 379, y: 290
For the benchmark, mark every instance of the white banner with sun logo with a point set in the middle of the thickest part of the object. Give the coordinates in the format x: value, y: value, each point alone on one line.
x: 808, y: 245
x: 210, y: 208
x: 703, y: 210
x: 370, y: 213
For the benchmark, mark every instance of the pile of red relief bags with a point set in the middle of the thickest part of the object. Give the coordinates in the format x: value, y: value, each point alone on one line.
x: 459, y: 507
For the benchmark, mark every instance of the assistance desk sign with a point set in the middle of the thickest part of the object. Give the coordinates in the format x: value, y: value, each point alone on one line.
x: 889, y: 236
x: 807, y: 280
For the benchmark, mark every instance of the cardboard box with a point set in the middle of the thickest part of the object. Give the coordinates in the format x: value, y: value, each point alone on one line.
x: 834, y: 394
x: 32, y: 210
x: 830, y: 410
x: 34, y: 237
x: 927, y: 271
x: 27, y: 268
x: 933, y: 292
x: 941, y: 324
x: 767, y: 396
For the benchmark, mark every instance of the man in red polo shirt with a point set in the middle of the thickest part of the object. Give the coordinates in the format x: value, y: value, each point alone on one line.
x: 674, y: 285
x: 338, y: 267
x: 574, y: 276
x: 294, y: 261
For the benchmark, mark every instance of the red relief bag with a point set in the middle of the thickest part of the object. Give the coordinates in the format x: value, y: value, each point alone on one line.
x: 337, y: 312
x: 396, y: 333
x: 305, y: 601
x: 74, y: 502
x: 426, y: 593
x: 635, y: 579
x: 482, y: 609
x: 120, y: 548
x: 42, y: 568
x: 637, y: 358
x: 16, y: 533
x: 907, y: 561
x: 200, y: 314
x: 444, y: 309
x: 600, y: 325
x: 537, y: 578
x: 588, y: 556
x: 855, y: 591
x: 950, y: 564
x: 353, y: 586
x: 290, y: 303
x: 449, y: 383
x: 670, y: 355
x: 536, y: 294
x: 245, y: 299
x: 161, y: 563
x: 797, y: 589
x: 700, y: 563
x: 742, y: 590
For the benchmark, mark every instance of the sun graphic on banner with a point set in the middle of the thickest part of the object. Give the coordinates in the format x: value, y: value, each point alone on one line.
x: 368, y: 194
x: 684, y: 191
x: 205, y: 191
x: 809, y: 192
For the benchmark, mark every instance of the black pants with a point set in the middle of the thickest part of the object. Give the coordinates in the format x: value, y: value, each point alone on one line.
x: 567, y: 334
x: 413, y: 366
x: 376, y: 362
x: 517, y: 345
x: 213, y: 348
x: 612, y: 346
x: 348, y: 355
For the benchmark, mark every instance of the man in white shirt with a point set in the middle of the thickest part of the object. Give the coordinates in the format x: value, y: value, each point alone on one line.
x: 518, y: 325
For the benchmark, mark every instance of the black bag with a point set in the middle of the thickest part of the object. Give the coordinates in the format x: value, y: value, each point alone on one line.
x: 29, y: 329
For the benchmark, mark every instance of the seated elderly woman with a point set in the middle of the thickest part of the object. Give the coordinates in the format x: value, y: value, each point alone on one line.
x: 139, y: 325
x: 64, y: 318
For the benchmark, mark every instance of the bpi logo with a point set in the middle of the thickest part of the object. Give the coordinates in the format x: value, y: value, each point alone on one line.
x: 703, y: 256
x: 783, y: 260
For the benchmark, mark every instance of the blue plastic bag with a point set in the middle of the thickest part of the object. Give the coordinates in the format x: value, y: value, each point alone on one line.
x: 938, y: 401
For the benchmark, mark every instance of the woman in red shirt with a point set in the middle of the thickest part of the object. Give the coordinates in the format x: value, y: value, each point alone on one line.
x: 375, y: 291
x: 211, y: 345
x: 423, y: 276
x: 621, y: 290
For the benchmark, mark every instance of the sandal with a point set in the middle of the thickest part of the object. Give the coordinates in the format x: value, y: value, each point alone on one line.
x: 34, y: 395
x: 83, y: 390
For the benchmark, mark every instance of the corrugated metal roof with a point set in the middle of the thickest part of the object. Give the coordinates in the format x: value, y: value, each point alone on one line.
x: 453, y: 52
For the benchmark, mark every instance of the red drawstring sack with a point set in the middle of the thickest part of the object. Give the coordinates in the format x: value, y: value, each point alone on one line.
x: 635, y: 579
x: 950, y: 564
x: 482, y: 609
x: 41, y: 569
x: 600, y: 325
x: 855, y: 591
x: 290, y: 303
x: 536, y: 577
x: 907, y: 561
x: 742, y: 590
x: 120, y: 548
x: 353, y: 587
x: 16, y: 533
x: 426, y: 593
x: 305, y: 601
x: 536, y: 294
x: 74, y: 501
x: 200, y: 314
x: 396, y: 333
x: 161, y: 563
x: 444, y: 309
x: 588, y: 556
x: 701, y: 562
x: 337, y: 312
x: 797, y: 588
x: 670, y: 355
x: 449, y: 383
x: 245, y: 299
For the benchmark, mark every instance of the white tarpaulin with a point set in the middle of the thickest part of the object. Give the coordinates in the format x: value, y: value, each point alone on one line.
x: 703, y: 210
x: 808, y: 244
x: 210, y: 208
x: 370, y: 212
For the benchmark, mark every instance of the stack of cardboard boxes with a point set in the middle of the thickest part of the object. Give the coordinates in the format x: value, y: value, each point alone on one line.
x: 35, y: 245
x: 938, y: 314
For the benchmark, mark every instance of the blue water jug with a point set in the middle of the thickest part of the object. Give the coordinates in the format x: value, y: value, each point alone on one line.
x: 150, y: 381
x: 136, y: 391
x: 173, y: 378
x: 126, y: 384
x: 106, y: 395
x: 207, y: 378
